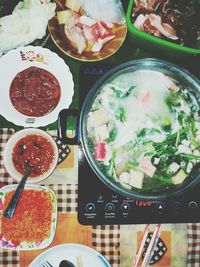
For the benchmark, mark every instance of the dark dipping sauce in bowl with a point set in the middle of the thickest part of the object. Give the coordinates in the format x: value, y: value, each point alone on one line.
x: 35, y: 92
x: 34, y: 150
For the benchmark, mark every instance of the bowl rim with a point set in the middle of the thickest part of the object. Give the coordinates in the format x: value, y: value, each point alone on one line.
x: 10, y: 145
x: 177, y: 190
x: 154, y: 39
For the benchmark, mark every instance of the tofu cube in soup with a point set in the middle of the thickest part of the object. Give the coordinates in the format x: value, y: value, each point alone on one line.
x: 136, y: 179
x: 100, y: 117
x: 179, y: 177
x: 124, y: 177
x: 120, y: 162
x: 147, y: 167
x: 101, y: 133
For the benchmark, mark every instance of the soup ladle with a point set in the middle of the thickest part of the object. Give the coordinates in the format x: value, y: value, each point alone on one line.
x: 15, y: 199
x: 66, y: 263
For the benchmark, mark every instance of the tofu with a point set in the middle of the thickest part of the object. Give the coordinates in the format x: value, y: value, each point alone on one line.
x: 124, y: 177
x: 73, y: 4
x: 64, y: 15
x: 179, y: 177
x: 101, y: 133
x: 147, y: 167
x: 156, y: 161
x: 173, y: 167
x: 136, y: 179
x: 100, y: 117
x: 189, y: 167
x: 184, y: 149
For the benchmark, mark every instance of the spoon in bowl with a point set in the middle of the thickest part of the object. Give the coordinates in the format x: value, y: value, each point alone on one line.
x: 66, y: 263
x: 15, y: 199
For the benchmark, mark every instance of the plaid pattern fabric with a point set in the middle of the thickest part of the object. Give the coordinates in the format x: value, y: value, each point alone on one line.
x: 9, y: 258
x: 66, y: 197
x: 5, y: 134
x: 63, y: 149
x: 193, y: 233
x: 105, y: 239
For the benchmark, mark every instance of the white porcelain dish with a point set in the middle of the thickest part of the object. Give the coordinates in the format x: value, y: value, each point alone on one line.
x: 22, y: 58
x: 71, y: 252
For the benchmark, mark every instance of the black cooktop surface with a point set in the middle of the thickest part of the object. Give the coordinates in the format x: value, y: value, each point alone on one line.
x: 98, y: 204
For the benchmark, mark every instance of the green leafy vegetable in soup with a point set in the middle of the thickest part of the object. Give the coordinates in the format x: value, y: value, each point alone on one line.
x: 145, y: 130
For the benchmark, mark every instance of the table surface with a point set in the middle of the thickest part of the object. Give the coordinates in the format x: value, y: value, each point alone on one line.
x: 117, y: 243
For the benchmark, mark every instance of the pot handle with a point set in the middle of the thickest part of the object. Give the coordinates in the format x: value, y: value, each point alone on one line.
x: 63, y: 115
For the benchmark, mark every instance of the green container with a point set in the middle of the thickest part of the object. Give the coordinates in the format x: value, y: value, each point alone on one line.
x: 154, y: 44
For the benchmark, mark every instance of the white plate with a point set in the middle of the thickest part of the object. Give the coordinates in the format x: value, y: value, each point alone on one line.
x: 8, y: 244
x: 90, y: 257
x: 22, y: 58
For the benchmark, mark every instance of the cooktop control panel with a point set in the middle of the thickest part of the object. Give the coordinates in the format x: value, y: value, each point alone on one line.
x: 98, y: 204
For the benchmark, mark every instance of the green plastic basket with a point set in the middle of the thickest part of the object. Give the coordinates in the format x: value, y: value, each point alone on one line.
x: 155, y: 44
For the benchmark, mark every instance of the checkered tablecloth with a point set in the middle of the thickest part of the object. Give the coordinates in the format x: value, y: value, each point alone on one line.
x: 105, y: 239
x: 66, y: 197
x: 9, y: 258
x: 193, y: 233
x: 5, y: 134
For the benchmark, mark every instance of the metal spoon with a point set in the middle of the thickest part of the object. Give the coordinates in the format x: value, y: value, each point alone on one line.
x: 8, y: 213
x: 66, y: 263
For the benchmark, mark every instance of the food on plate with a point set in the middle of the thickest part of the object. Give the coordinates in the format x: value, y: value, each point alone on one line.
x: 175, y: 21
x: 35, y: 150
x: 27, y: 23
x: 32, y: 219
x: 143, y: 130
x: 85, y: 32
x: 35, y: 92
x: 110, y: 11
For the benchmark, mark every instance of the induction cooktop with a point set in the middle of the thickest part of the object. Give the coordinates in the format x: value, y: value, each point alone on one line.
x: 98, y: 204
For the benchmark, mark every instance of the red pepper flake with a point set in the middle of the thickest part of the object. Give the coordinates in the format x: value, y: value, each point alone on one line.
x: 37, y: 151
x: 31, y: 221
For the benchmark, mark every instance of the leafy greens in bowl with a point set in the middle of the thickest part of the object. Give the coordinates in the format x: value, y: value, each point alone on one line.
x: 142, y: 130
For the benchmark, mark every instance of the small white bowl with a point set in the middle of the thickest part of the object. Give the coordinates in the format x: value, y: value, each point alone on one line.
x: 8, y: 150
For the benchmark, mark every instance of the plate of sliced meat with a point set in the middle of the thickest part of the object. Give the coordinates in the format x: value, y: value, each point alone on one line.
x: 83, y: 36
x: 36, y: 85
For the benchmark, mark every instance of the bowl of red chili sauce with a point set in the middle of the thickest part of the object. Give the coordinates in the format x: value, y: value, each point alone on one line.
x: 35, y: 92
x: 34, y: 147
